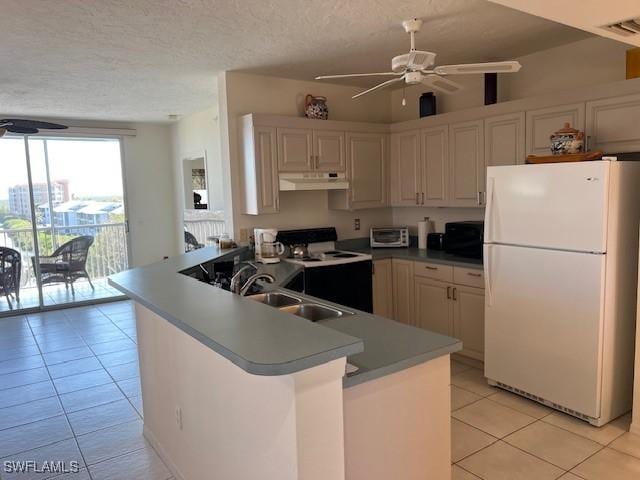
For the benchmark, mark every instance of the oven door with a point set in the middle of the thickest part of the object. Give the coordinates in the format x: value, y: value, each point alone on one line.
x: 348, y: 284
x: 386, y: 237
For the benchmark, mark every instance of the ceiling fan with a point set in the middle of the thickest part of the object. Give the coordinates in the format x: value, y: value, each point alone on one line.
x: 417, y: 66
x: 26, y: 127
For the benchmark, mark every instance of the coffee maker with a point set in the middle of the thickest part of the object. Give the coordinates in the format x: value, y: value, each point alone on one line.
x: 268, y: 249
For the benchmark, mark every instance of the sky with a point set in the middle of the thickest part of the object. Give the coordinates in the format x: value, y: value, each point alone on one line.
x: 92, y: 167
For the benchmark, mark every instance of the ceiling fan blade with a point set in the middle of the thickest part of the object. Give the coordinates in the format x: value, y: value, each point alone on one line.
x: 441, y: 84
x: 22, y: 130
x: 379, y: 86
x: 21, y: 122
x: 348, y: 75
x: 470, y: 68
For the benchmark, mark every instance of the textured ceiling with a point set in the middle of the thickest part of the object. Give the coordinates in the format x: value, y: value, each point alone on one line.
x: 144, y: 59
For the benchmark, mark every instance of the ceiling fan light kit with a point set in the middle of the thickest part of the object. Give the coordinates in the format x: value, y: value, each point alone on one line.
x: 417, y: 66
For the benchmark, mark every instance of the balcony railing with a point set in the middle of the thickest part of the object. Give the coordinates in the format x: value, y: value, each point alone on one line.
x: 203, y: 228
x: 107, y: 255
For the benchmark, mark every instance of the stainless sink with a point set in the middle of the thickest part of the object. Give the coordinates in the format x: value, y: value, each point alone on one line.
x: 313, y: 311
x: 275, y: 299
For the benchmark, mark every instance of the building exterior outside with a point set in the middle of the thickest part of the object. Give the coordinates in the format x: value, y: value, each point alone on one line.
x: 76, y: 213
x: 19, y: 204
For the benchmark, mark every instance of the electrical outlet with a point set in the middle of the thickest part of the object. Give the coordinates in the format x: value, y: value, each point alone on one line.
x: 179, y: 417
x: 244, y: 234
x: 356, y: 224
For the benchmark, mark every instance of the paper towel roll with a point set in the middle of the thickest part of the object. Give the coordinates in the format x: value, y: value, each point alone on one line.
x: 423, y: 228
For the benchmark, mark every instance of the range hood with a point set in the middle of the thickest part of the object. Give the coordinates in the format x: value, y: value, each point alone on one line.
x: 313, y: 181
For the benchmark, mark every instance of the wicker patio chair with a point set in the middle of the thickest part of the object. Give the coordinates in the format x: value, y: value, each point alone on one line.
x: 10, y: 267
x: 67, y: 264
x: 191, y: 242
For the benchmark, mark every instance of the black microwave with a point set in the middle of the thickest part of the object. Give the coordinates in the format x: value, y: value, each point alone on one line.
x: 464, y: 238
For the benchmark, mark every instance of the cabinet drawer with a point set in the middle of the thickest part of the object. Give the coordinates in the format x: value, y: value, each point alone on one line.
x: 436, y: 271
x: 471, y: 277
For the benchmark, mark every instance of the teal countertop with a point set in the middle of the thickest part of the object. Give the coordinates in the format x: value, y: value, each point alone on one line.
x: 265, y: 341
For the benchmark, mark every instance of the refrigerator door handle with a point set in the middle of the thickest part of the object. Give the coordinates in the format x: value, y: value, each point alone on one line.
x: 487, y: 261
x: 489, y: 207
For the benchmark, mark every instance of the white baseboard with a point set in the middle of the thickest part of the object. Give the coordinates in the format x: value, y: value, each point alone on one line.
x: 148, y: 434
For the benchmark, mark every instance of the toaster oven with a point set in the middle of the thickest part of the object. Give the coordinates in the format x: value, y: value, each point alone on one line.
x: 389, y: 237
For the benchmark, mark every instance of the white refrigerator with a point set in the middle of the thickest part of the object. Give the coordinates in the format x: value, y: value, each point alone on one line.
x: 560, y: 262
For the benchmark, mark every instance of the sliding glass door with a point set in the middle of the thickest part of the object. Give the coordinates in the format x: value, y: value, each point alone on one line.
x: 71, y: 210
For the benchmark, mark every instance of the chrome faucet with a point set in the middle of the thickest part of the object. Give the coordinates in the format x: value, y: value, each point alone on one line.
x: 235, y: 280
x: 253, y: 279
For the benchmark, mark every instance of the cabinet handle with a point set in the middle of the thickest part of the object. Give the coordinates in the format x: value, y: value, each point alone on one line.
x: 430, y: 268
x: 478, y: 198
x: 422, y: 198
x: 448, y: 293
x: 454, y: 293
x: 417, y: 198
x: 474, y: 274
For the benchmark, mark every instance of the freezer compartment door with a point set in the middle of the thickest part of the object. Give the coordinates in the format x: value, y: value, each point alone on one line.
x: 560, y: 206
x: 543, y: 326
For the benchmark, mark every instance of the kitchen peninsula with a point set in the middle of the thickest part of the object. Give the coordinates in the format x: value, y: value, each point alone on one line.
x: 239, y: 389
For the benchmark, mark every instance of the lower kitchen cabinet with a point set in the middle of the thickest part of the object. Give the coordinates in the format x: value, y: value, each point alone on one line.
x: 468, y: 320
x: 403, y: 291
x: 442, y: 298
x: 433, y: 305
x: 383, y: 288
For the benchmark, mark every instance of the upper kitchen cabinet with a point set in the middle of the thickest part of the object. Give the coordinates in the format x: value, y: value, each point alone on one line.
x: 504, y: 142
x: 613, y: 124
x: 544, y: 122
x: 434, y: 153
x: 466, y: 164
x: 405, y: 168
x: 259, y: 155
x: 328, y: 151
x: 295, y: 150
x: 367, y: 171
x: 419, y: 167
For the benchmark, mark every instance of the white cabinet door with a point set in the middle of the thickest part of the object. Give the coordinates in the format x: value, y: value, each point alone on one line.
x: 328, y: 151
x: 543, y: 323
x: 383, y: 288
x: 295, y: 150
x: 434, y: 151
x: 466, y: 163
x: 260, y: 171
x: 544, y: 122
x: 468, y: 320
x: 554, y: 205
x: 613, y: 124
x: 433, y: 305
x: 367, y: 165
x: 405, y: 169
x: 504, y: 139
x: 403, y: 291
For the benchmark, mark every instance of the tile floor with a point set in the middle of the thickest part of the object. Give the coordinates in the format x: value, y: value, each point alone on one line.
x: 70, y: 391
x: 57, y: 294
x: 497, y: 435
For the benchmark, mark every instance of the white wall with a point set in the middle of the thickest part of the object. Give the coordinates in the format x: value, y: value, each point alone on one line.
x: 587, y: 62
x: 193, y: 136
x: 150, y: 193
x: 241, y: 93
x: 410, y: 216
